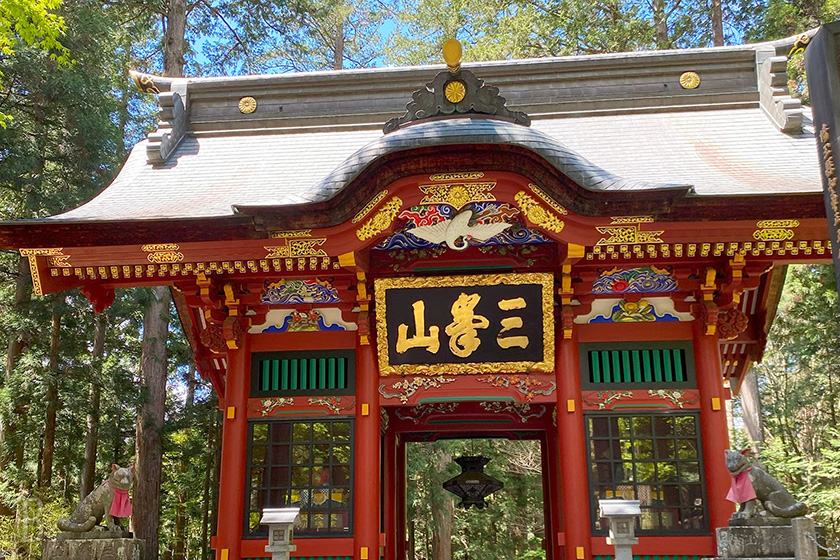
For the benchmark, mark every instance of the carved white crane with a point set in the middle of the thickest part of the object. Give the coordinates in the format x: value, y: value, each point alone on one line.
x: 449, y: 231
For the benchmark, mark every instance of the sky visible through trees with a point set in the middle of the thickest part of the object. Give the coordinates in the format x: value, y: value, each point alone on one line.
x: 71, y: 385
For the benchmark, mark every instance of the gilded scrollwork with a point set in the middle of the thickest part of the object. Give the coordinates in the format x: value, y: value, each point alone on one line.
x: 522, y: 410
x: 381, y: 221
x: 537, y: 214
x: 547, y: 199
x: 417, y: 413
x: 403, y: 390
x: 457, y: 195
x: 528, y: 386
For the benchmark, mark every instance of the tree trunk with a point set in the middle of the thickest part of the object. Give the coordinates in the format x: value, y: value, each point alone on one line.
x: 51, y: 398
x: 717, y: 22
x: 88, y: 476
x: 338, y: 52
x: 443, y: 510
x: 23, y: 295
x: 174, y: 43
x: 180, y: 537
x: 149, y: 445
x: 660, y: 24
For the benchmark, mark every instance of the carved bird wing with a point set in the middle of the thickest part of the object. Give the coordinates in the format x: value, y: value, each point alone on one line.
x: 435, y: 233
x: 483, y: 232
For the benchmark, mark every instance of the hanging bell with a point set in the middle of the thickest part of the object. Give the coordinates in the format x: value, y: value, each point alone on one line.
x: 472, y: 485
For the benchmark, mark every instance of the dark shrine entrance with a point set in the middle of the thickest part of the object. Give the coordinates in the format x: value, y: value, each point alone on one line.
x: 520, y: 440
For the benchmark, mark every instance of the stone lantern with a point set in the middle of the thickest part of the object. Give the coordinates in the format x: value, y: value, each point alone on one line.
x: 281, y: 528
x: 622, y: 515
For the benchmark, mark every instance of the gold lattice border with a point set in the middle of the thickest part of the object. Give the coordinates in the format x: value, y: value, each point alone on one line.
x: 31, y: 255
x: 369, y: 206
x: 381, y: 285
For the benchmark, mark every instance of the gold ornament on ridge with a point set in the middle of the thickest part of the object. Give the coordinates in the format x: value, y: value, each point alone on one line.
x: 455, y: 91
x: 247, y: 105
x: 690, y: 80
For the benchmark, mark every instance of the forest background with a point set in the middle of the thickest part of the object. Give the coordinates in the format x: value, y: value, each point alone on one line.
x: 81, y: 391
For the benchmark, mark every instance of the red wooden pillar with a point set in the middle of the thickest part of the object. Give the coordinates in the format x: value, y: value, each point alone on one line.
x: 234, y: 453
x: 366, y: 476
x: 551, y: 493
x: 400, y: 502
x: 390, y: 474
x: 714, y: 431
x: 572, y: 448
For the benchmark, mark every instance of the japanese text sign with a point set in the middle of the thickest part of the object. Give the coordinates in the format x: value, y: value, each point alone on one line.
x: 465, y: 324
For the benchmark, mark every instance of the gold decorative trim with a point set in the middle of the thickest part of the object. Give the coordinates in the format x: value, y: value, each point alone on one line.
x: 247, y: 105
x: 627, y: 234
x: 631, y: 220
x: 457, y: 176
x: 773, y: 234
x: 297, y: 248
x: 370, y: 205
x: 537, y: 214
x: 288, y: 234
x: 31, y: 255
x: 703, y: 250
x: 777, y: 224
x: 381, y: 221
x: 457, y: 195
x: 165, y: 257
x: 690, y: 80
x: 547, y: 199
x: 155, y: 247
x: 544, y: 279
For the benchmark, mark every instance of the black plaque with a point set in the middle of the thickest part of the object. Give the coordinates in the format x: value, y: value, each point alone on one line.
x: 821, y: 66
x: 466, y: 324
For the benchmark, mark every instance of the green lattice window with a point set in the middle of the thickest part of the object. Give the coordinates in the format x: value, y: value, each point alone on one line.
x: 321, y: 372
x: 637, y: 365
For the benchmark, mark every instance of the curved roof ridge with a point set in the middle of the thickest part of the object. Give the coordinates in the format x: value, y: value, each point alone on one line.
x: 473, y: 130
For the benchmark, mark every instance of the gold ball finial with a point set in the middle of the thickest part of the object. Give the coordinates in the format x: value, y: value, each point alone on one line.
x: 452, y: 54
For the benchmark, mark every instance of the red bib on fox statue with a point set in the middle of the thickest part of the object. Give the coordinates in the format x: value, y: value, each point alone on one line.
x: 121, y: 505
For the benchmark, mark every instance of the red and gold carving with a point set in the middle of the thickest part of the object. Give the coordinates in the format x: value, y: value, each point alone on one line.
x: 731, y: 323
x: 212, y: 338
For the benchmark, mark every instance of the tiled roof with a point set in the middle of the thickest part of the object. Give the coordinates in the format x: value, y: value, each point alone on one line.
x: 736, y: 151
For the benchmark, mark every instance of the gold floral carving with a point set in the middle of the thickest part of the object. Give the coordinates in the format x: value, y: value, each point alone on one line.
x: 247, y: 105
x: 369, y: 206
x: 457, y: 194
x: 603, y: 398
x: 31, y: 255
x: 288, y: 234
x: 381, y: 221
x: 455, y: 91
x: 522, y: 410
x: 537, y: 214
x: 297, y: 248
x: 472, y: 368
x: 333, y: 404
x: 528, y: 386
x: 777, y: 224
x: 547, y: 199
x: 675, y: 396
x: 416, y: 413
x: 403, y: 390
x: 457, y: 176
x: 690, y: 80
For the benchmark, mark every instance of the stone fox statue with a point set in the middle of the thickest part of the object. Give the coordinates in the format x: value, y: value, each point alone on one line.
x: 751, y: 483
x: 107, y: 501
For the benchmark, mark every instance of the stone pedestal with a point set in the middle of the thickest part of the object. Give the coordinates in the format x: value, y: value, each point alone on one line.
x: 758, y: 538
x: 94, y: 545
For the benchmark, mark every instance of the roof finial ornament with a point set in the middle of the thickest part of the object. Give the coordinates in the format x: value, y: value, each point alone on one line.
x: 456, y: 92
x: 452, y: 54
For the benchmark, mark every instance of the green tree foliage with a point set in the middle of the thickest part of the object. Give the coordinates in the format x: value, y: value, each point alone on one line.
x: 800, y: 392
x: 511, y: 527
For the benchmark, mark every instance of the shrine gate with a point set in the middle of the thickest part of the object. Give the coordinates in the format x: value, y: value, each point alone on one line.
x: 591, y: 261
